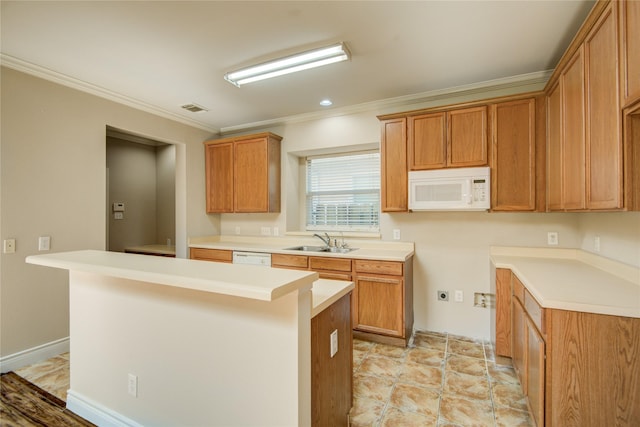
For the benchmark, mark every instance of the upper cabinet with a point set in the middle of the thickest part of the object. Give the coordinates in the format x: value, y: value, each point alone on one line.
x: 459, y: 137
x: 243, y: 174
x: 456, y: 138
x: 585, y: 147
x: 629, y: 12
x: 513, y: 155
x: 393, y: 173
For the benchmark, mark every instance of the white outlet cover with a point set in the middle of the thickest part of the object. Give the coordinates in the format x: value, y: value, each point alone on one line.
x: 396, y: 234
x: 334, y: 342
x: 44, y: 243
x: 458, y: 296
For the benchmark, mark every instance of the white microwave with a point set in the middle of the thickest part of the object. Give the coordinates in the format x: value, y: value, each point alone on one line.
x: 462, y: 189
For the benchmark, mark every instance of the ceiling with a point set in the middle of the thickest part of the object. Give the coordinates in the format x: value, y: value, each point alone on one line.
x: 161, y: 55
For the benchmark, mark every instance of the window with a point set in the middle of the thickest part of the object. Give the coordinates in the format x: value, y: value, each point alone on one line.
x: 343, y: 192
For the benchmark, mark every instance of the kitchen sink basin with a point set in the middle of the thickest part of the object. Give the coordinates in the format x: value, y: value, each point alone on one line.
x: 309, y: 248
x: 320, y: 249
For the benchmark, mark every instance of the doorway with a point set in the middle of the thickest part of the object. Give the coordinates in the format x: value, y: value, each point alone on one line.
x: 141, y: 193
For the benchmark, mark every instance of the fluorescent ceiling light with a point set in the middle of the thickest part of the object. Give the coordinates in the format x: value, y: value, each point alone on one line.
x: 290, y: 64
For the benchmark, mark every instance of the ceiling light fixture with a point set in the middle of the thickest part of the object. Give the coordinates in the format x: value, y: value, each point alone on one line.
x: 290, y: 64
x: 326, y: 103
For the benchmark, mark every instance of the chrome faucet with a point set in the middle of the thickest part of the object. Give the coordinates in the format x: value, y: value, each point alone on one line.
x: 326, y: 241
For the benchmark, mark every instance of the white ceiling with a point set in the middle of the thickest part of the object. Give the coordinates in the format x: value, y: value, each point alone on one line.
x: 161, y: 55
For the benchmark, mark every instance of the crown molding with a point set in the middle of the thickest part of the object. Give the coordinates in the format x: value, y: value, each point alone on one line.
x: 519, y: 83
x: 53, y: 76
x: 524, y: 82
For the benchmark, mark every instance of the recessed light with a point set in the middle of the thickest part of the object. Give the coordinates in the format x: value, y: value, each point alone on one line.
x: 326, y: 103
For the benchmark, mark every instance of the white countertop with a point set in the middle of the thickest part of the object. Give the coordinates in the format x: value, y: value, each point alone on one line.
x: 571, y: 279
x: 367, y: 249
x: 325, y: 292
x: 246, y: 281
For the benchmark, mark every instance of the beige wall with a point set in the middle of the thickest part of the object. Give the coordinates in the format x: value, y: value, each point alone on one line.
x: 53, y: 182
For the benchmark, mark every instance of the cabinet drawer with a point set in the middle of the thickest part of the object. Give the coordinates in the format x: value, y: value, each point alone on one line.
x: 536, y: 313
x: 391, y: 268
x: 219, y: 255
x: 292, y: 261
x: 518, y: 288
x: 336, y: 264
x: 335, y: 276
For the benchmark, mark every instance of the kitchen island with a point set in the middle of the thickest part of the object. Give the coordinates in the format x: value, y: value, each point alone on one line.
x: 169, y: 341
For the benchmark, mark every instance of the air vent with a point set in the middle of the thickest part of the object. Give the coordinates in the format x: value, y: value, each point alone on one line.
x: 194, y: 108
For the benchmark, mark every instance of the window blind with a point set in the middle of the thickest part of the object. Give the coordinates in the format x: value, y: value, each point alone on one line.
x: 343, y: 192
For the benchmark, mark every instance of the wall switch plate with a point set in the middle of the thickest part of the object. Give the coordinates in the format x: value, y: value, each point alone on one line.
x: 118, y: 215
x: 334, y: 342
x: 9, y: 246
x: 132, y: 385
x: 443, y: 296
x: 276, y: 231
x: 552, y: 238
x: 265, y: 231
x: 596, y: 243
x: 44, y: 243
x: 396, y: 234
x: 458, y: 296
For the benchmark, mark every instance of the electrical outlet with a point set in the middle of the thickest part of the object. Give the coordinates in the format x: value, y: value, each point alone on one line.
x: 443, y: 296
x: 237, y: 229
x: 458, y: 296
x: 596, y: 243
x: 396, y: 234
x: 334, y: 342
x: 9, y: 246
x: 276, y: 231
x: 132, y: 385
x: 265, y: 231
x: 44, y: 243
x: 552, y: 238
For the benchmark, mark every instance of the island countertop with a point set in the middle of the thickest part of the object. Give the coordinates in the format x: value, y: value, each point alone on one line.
x: 246, y: 281
x: 571, y: 279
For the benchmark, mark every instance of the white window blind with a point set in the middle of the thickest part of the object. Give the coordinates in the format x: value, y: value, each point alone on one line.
x: 343, y: 192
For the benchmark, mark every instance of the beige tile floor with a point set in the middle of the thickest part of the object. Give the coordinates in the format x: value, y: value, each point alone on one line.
x: 439, y: 380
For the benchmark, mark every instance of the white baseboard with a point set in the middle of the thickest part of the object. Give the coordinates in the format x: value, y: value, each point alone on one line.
x: 96, y: 413
x: 34, y: 355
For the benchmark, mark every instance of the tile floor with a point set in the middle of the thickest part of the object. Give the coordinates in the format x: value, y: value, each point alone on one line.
x: 439, y: 380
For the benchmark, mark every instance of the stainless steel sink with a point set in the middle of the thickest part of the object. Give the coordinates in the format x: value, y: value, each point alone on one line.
x: 309, y: 248
x: 320, y: 249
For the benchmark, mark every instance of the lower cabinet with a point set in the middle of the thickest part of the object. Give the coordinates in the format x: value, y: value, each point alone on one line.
x: 575, y: 368
x: 382, y: 302
x: 331, y: 376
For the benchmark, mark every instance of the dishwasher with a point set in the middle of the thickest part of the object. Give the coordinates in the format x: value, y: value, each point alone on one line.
x: 252, y: 258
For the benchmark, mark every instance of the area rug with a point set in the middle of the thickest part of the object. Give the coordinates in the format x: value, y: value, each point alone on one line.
x: 25, y: 404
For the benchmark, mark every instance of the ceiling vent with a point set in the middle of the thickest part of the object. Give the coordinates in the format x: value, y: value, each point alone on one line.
x: 194, y: 108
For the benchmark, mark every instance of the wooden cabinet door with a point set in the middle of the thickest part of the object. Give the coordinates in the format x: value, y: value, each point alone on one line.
x: 503, y: 313
x: 393, y: 154
x: 535, y: 372
x: 554, y: 149
x: 380, y: 305
x: 513, y: 156
x: 251, y: 192
x: 573, y: 141
x: 630, y: 42
x: 219, y: 176
x: 603, y: 140
x: 519, y: 348
x: 467, y: 137
x: 427, y: 141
